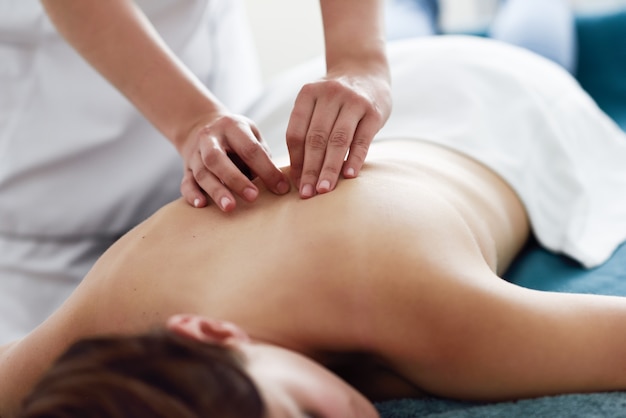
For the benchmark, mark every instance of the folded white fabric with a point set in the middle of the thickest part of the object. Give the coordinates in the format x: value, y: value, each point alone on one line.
x: 517, y: 113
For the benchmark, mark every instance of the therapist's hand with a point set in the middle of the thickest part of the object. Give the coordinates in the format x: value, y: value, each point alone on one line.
x: 335, y: 116
x: 220, y: 158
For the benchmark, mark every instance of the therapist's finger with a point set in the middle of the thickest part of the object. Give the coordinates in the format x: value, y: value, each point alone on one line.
x: 219, y: 177
x: 253, y: 153
x: 297, y: 128
x: 318, y: 139
x: 338, y: 143
x: 316, y: 143
x: 191, y: 192
x: 363, y: 137
x: 216, y: 190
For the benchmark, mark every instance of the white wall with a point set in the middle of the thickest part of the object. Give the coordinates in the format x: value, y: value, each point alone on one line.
x: 287, y: 32
x: 597, y: 6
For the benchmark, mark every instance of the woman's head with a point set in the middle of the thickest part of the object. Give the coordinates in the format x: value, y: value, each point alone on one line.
x: 160, y: 375
x: 198, y: 368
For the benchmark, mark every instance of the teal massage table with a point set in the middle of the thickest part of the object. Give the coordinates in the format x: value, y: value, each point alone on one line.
x: 602, y: 72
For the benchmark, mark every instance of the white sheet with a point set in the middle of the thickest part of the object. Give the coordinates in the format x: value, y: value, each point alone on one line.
x: 517, y: 113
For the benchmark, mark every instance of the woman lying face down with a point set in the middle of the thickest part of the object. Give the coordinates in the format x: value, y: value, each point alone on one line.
x: 301, y: 285
x: 408, y: 281
x: 397, y: 272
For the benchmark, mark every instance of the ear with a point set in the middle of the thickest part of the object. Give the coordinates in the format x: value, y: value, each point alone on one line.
x: 207, y: 330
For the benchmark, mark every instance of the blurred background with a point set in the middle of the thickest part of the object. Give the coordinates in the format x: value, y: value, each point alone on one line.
x: 288, y: 32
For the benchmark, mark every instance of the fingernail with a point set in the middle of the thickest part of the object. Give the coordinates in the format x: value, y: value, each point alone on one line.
x: 250, y: 194
x: 225, y: 202
x: 350, y: 172
x: 324, y: 186
x: 306, y: 191
x: 196, y: 202
x: 282, y: 187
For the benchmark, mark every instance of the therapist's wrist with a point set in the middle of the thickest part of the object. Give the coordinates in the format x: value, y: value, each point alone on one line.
x: 190, y: 127
x: 372, y: 61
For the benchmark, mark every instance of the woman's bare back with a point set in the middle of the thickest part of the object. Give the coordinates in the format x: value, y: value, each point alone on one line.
x: 315, y: 275
x: 414, y: 204
x: 401, y: 263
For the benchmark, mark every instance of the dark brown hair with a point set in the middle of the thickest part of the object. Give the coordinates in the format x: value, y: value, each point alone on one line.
x: 160, y: 375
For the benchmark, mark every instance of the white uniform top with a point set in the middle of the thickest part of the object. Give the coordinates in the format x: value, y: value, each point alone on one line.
x: 519, y: 114
x: 78, y: 164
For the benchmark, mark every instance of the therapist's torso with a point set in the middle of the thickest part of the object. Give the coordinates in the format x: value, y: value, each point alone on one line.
x: 72, y: 148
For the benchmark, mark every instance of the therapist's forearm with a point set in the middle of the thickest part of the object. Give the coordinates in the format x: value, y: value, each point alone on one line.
x: 354, y: 32
x: 116, y: 38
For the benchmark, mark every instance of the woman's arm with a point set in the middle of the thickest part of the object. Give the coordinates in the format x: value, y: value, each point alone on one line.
x: 117, y: 39
x: 342, y: 112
